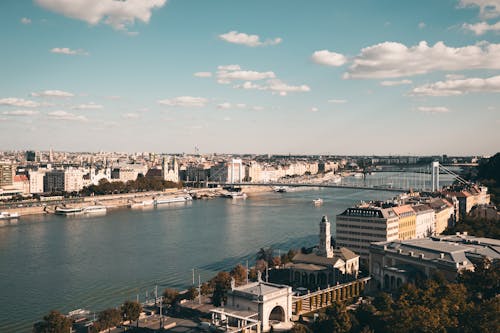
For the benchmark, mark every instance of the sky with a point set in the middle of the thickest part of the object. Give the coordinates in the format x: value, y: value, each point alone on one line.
x: 414, y: 77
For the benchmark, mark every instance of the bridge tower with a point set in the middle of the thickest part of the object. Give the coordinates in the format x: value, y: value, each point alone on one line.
x: 435, y: 176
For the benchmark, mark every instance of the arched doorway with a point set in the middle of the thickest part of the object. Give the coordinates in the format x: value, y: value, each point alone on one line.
x: 277, y: 314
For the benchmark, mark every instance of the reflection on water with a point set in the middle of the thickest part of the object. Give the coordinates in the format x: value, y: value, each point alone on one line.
x: 55, y: 262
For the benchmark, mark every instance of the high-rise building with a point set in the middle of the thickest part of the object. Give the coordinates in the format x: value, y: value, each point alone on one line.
x: 357, y: 227
x: 7, y: 172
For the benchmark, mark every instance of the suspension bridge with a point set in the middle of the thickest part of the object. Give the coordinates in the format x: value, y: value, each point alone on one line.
x: 425, y: 179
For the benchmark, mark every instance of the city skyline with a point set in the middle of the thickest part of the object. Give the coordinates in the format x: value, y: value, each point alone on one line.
x: 364, y: 78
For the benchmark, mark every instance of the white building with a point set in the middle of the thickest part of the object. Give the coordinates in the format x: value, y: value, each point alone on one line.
x: 258, y: 303
x: 170, y: 170
x: 36, y: 181
x: 425, y: 223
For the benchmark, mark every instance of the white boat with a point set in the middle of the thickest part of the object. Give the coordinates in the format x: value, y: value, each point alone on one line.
x: 160, y: 201
x: 281, y: 189
x: 97, y: 209
x: 67, y: 211
x: 8, y: 216
x: 237, y: 195
x: 358, y: 175
x: 318, y: 202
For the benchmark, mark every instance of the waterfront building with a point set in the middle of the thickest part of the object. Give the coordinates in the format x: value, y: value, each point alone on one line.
x: 236, y: 171
x: 425, y: 221
x: 36, y: 181
x: 53, y: 181
x: 73, y: 180
x: 468, y: 197
x: 394, y: 263
x: 21, y: 183
x: 326, y: 265
x: 127, y: 172
x: 7, y: 172
x: 407, y: 220
x: 357, y: 227
x: 260, y: 304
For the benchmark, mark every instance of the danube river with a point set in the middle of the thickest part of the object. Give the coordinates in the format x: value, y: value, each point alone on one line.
x: 54, y: 262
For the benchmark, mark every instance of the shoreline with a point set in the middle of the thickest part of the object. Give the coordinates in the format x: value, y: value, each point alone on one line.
x: 123, y: 200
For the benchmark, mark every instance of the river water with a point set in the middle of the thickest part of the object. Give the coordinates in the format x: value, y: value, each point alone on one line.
x: 54, y: 262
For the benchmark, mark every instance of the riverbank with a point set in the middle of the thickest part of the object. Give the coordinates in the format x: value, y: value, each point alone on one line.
x: 124, y: 200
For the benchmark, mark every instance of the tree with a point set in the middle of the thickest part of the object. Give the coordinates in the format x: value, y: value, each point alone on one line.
x: 54, y: 322
x: 109, y: 318
x: 335, y: 319
x: 266, y: 255
x: 192, y: 293
x: 170, y: 296
x: 484, y: 281
x: 299, y: 328
x: 221, y: 283
x: 383, y: 302
x: 131, y: 310
x: 239, y: 273
x: 261, y: 265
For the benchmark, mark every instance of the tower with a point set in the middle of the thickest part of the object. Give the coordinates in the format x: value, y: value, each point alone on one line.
x: 435, y: 176
x: 325, y: 247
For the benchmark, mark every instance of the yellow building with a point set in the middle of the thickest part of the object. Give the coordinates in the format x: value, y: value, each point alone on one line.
x: 407, y: 221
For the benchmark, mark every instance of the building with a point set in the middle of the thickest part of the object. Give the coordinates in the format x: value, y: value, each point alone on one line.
x: 394, y: 263
x: 425, y: 221
x: 21, y: 183
x: 73, y: 180
x: 407, y: 220
x: 258, y: 304
x: 53, y: 181
x: 325, y: 265
x: 444, y: 214
x: 7, y: 172
x: 236, y: 171
x: 36, y: 181
x: 170, y: 170
x: 357, y: 227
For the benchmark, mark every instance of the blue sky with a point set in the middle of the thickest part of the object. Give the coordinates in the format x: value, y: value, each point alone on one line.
x: 281, y: 76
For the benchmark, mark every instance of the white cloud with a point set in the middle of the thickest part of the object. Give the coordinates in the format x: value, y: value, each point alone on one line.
x: 131, y: 115
x: 392, y: 60
x: 433, y: 109
x: 328, y: 58
x: 242, y: 38
x: 19, y: 102
x: 227, y: 74
x: 25, y: 20
x: 88, y: 106
x: 487, y: 8
x: 227, y: 105
x: 459, y: 87
x: 185, y: 101
x: 421, y: 25
x: 118, y: 14
x: 22, y: 113
x: 227, y: 118
x: 63, y: 115
x: 337, y: 101
x: 203, y: 74
x: 276, y: 86
x: 68, y: 51
x: 481, y: 27
x: 313, y: 109
x: 395, y: 83
x: 52, y: 93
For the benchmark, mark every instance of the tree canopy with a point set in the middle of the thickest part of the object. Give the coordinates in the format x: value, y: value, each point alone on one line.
x: 54, y: 322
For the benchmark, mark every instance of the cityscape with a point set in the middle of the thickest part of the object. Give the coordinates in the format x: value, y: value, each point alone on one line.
x: 249, y: 166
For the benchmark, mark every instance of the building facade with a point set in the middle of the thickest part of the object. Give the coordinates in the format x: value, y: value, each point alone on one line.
x: 407, y: 221
x: 357, y: 227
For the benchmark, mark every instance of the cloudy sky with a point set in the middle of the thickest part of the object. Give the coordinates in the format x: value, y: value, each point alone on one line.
x: 260, y: 76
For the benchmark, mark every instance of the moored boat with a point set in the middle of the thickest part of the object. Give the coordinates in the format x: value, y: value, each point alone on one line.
x: 68, y: 211
x: 185, y: 198
x: 8, y: 216
x: 97, y: 209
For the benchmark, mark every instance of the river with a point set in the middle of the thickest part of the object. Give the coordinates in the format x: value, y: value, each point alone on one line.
x: 54, y: 262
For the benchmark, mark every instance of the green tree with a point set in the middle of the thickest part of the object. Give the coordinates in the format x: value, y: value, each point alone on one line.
x: 54, y: 322
x: 335, y: 319
x: 192, y: 293
x: 131, y: 310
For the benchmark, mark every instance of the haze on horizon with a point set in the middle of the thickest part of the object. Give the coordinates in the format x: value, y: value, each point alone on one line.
x: 324, y: 77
